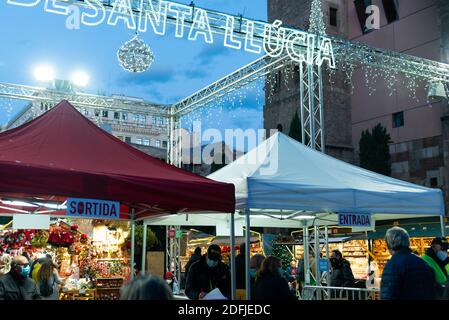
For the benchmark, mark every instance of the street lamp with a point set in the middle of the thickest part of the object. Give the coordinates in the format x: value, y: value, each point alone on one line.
x: 80, y: 79
x: 44, y: 73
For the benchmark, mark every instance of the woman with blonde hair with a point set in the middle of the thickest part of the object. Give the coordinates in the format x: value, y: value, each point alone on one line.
x: 48, y: 280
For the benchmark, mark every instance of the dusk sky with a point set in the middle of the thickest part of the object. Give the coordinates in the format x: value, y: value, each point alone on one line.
x: 31, y: 36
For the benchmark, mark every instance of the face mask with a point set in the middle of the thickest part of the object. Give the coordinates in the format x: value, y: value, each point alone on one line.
x: 442, y: 255
x: 252, y: 272
x: 25, y: 271
x: 212, y: 263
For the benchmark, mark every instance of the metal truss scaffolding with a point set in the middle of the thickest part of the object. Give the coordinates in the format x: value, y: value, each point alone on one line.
x: 173, y: 254
x: 314, y: 248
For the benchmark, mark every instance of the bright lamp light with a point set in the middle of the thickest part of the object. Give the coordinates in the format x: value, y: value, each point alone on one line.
x: 80, y: 79
x: 44, y: 73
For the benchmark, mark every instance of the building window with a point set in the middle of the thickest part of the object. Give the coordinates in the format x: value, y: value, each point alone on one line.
x: 124, y: 116
x: 360, y: 7
x: 116, y: 116
x: 139, y: 140
x: 97, y: 113
x: 142, y: 118
x: 333, y: 16
x: 398, y: 120
x: 158, y: 143
x: 105, y: 113
x: 434, y: 182
x: 160, y: 121
x: 86, y: 112
x: 154, y: 120
x: 146, y: 142
x: 164, y: 144
x: 391, y: 11
x: 128, y: 139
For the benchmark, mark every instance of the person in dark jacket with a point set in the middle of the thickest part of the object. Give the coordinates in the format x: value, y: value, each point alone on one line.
x: 208, y: 274
x: 194, y: 258
x: 254, y: 266
x: 16, y: 285
x: 406, y: 276
x: 270, y: 284
x: 240, y: 270
x: 341, y: 273
x: 436, y: 258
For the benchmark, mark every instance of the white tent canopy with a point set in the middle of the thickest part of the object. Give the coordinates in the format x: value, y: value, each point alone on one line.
x: 283, y: 183
x: 283, y: 174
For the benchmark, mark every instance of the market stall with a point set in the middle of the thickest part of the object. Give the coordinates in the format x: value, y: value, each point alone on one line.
x: 283, y: 179
x: 203, y: 241
x: 91, y: 255
x: 60, y: 164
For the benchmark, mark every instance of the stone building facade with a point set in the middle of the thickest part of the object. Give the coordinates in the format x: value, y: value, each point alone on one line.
x: 284, y: 98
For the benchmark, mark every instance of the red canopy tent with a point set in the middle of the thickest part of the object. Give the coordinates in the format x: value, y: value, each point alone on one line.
x: 63, y: 154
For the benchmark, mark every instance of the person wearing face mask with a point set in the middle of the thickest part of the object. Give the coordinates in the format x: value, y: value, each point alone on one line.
x: 405, y: 276
x: 207, y: 274
x: 16, y: 284
x: 437, y: 259
x: 341, y: 273
x: 270, y: 283
x: 255, y: 264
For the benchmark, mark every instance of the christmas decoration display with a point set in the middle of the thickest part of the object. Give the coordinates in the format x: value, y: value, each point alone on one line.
x: 61, y: 237
x: 87, y: 264
x: 84, y: 239
x: 15, y: 240
x: 135, y: 55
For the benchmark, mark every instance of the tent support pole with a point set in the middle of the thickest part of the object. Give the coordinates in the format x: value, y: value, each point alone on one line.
x: 133, y: 227
x: 144, y: 246
x: 305, y: 242
x: 233, y: 282
x: 247, y: 254
x: 443, y: 227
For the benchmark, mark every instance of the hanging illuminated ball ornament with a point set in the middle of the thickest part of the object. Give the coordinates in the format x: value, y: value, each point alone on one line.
x: 135, y: 55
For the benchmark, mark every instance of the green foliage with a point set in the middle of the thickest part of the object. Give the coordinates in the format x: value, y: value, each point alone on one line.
x: 281, y: 251
x: 138, y: 236
x: 295, y: 128
x: 374, y: 150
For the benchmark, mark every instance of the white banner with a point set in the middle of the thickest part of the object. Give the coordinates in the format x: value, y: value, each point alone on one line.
x: 31, y: 221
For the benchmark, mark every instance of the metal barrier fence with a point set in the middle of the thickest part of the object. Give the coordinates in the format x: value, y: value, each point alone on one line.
x: 338, y: 293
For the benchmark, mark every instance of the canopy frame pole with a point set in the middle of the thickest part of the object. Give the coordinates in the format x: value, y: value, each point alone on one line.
x: 144, y: 246
x: 133, y: 232
x: 443, y: 227
x: 233, y: 275
x: 306, y: 253
x: 316, y: 253
x: 247, y: 254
